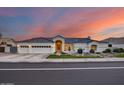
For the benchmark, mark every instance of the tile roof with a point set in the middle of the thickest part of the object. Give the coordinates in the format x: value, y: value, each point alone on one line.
x: 115, y: 40
x: 77, y: 40
x: 37, y: 40
x: 50, y: 40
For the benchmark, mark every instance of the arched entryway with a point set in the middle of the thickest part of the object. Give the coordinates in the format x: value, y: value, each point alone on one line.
x: 58, y: 45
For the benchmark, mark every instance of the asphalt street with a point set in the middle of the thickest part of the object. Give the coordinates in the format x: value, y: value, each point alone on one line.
x: 91, y: 73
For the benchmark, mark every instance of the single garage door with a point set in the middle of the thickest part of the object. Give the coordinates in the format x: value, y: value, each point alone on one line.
x: 2, y: 49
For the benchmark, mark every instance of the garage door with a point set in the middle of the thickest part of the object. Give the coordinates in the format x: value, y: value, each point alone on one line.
x: 35, y: 49
x: 2, y: 49
x: 40, y: 50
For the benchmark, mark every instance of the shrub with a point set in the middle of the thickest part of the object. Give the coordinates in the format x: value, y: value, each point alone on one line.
x: 118, y: 50
x: 80, y: 51
x: 107, y: 51
x: 92, y: 51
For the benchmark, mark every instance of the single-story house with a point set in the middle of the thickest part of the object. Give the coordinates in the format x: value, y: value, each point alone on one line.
x: 59, y: 44
x: 115, y: 42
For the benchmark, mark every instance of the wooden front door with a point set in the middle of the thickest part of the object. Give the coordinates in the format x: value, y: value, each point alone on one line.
x: 58, y: 46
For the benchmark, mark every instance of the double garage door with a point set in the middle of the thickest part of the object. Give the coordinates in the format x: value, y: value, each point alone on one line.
x: 34, y: 50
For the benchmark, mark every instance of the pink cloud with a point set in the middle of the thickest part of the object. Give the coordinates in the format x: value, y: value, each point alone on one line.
x: 78, y: 24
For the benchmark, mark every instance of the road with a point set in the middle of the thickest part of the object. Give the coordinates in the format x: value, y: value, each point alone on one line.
x: 91, y: 73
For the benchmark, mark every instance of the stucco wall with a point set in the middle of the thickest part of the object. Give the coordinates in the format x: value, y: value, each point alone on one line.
x: 83, y: 46
x: 100, y: 46
x: 117, y: 45
x: 8, y: 41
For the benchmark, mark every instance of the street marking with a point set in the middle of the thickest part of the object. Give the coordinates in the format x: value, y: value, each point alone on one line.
x: 88, y: 68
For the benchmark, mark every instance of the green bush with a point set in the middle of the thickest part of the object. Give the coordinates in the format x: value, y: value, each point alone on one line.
x: 107, y: 51
x: 80, y: 51
x: 118, y: 50
x: 92, y: 51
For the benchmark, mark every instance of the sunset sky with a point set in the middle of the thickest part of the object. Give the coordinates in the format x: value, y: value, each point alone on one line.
x: 25, y: 23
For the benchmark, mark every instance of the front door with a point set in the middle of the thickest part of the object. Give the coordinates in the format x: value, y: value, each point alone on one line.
x: 58, y: 46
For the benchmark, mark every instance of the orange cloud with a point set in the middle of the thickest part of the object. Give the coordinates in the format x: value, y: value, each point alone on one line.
x: 80, y: 24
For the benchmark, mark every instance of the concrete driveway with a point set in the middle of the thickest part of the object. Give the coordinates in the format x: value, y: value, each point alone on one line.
x: 22, y: 57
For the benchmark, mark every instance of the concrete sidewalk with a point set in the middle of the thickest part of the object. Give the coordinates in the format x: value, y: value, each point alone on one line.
x: 65, y: 60
x: 86, y: 60
x: 42, y: 58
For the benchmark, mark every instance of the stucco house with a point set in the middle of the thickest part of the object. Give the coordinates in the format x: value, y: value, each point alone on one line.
x: 59, y: 44
x: 117, y: 42
x: 7, y: 45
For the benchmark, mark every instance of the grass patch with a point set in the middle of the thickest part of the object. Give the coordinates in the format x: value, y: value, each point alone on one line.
x: 119, y: 55
x: 66, y: 56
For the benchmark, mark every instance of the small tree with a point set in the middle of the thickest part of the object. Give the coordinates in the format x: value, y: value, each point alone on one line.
x: 92, y: 51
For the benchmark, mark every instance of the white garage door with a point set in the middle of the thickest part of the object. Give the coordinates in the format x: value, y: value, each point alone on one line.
x: 23, y: 49
x: 35, y: 49
x: 40, y: 49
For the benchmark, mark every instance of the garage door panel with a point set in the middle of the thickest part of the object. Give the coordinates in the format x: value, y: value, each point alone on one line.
x: 40, y: 50
x: 23, y: 50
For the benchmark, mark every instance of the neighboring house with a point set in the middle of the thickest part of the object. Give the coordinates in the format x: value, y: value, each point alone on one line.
x: 7, y: 45
x: 59, y: 44
x: 115, y: 42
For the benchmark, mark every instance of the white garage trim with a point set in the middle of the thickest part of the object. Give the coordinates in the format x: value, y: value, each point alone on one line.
x: 35, y: 48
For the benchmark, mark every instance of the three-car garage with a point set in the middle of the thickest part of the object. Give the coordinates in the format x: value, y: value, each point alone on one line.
x: 35, y: 45
x: 35, y: 48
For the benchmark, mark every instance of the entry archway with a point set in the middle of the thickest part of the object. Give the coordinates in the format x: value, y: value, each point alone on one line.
x: 58, y: 45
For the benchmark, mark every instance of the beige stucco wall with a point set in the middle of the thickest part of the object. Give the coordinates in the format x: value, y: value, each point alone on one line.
x: 8, y: 41
x: 100, y: 46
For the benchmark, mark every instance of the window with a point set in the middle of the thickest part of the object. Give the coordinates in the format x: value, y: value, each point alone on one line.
x: 109, y: 45
x: 9, y: 45
x: 93, y: 47
x: 3, y: 43
x: 41, y: 46
x: 24, y: 46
